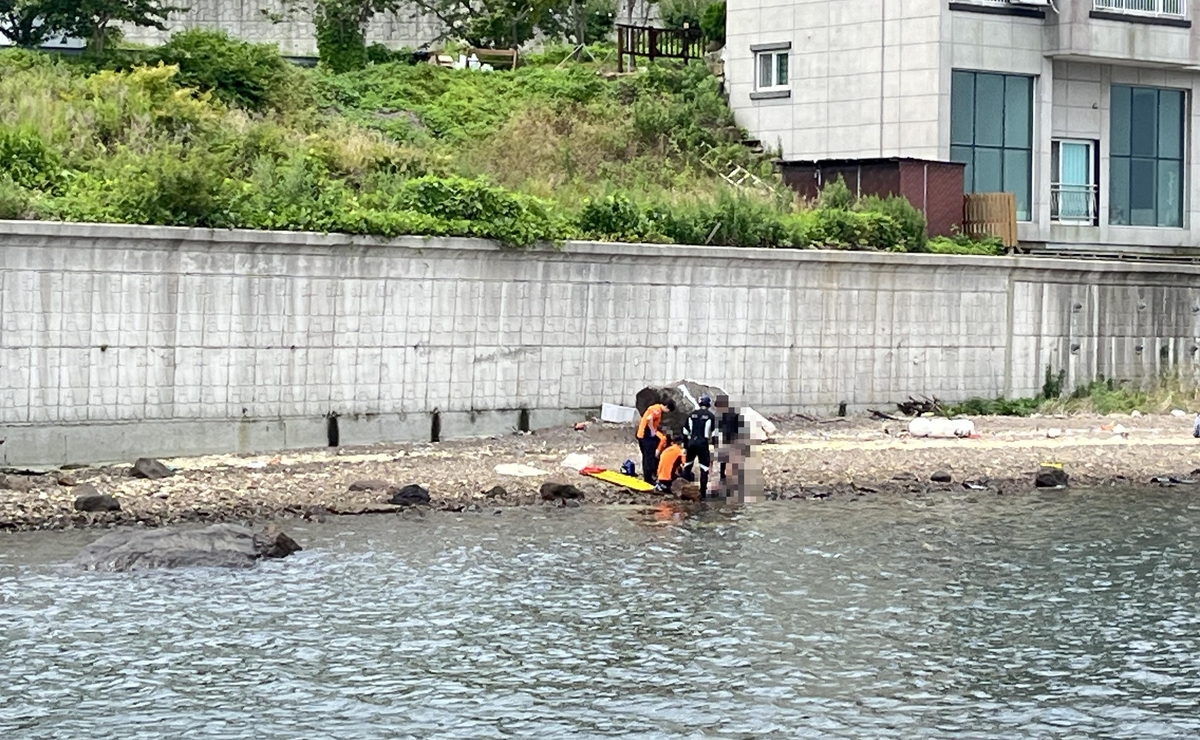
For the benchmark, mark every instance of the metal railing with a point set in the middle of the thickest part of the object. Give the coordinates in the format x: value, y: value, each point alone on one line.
x: 1163, y: 8
x: 657, y: 43
x: 1074, y: 204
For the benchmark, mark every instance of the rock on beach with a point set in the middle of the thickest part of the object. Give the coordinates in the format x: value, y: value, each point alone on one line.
x: 218, y: 545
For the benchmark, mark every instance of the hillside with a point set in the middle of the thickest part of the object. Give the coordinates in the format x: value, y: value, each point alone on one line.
x: 211, y: 132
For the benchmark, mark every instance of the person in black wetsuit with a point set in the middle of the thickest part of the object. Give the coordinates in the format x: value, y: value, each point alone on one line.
x: 700, y: 431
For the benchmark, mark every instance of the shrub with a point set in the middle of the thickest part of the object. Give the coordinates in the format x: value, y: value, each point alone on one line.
x: 842, y: 229
x: 912, y: 223
x: 168, y: 185
x: 613, y: 217
x: 835, y: 195
x: 478, y: 208
x: 250, y: 76
x: 963, y: 244
x: 26, y: 160
x: 15, y: 201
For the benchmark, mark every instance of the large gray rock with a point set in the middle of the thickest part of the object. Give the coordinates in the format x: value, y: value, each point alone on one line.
x: 19, y: 483
x: 673, y: 421
x: 148, y: 467
x: 87, y: 498
x: 219, y: 546
x: 560, y: 492
x: 410, y: 495
x: 1052, y: 478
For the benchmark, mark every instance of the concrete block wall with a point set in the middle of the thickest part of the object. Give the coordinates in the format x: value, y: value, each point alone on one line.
x: 119, y: 341
x: 281, y: 23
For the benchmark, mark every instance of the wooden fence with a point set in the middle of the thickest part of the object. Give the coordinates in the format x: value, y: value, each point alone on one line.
x: 657, y: 43
x: 991, y: 214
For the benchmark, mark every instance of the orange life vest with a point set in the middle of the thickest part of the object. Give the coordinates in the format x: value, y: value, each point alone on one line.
x: 651, y: 421
x: 671, y: 460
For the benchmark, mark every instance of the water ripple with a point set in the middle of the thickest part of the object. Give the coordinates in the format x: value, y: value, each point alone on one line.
x: 945, y: 617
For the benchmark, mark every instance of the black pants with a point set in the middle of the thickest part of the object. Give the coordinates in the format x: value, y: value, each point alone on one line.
x: 698, y: 452
x: 649, y: 447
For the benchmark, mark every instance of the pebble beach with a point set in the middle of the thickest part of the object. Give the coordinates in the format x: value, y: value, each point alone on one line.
x: 806, y: 460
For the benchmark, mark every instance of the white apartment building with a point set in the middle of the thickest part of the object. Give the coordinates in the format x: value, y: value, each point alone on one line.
x: 1084, y: 109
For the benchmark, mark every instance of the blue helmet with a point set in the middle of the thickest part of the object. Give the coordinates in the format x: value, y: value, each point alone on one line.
x: 705, y: 401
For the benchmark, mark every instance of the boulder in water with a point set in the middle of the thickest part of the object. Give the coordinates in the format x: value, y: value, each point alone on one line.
x: 1052, y: 478
x: 219, y: 546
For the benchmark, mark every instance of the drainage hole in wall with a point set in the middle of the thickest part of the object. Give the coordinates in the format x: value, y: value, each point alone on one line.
x: 331, y: 429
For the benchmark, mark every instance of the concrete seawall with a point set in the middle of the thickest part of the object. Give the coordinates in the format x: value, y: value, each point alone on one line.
x: 119, y: 341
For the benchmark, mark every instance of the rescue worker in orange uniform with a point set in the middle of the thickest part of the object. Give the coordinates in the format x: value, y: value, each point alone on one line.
x: 670, y: 465
x: 651, y: 438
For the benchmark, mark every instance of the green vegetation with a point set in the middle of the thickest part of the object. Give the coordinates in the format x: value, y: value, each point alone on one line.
x: 960, y: 243
x: 1098, y: 397
x: 211, y: 132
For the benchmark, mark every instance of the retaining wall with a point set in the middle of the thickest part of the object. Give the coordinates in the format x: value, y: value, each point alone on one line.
x: 120, y: 341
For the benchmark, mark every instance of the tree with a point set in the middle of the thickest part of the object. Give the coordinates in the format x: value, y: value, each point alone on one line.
x: 93, y: 19
x: 509, y: 23
x: 342, y: 28
x: 31, y: 23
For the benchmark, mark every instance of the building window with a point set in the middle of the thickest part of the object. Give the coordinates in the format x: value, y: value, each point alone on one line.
x: 1074, y: 165
x: 1146, y: 157
x: 1168, y: 8
x: 772, y: 70
x: 991, y: 131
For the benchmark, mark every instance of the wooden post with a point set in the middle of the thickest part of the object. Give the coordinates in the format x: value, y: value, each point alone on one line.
x: 621, y: 50
x: 653, y: 43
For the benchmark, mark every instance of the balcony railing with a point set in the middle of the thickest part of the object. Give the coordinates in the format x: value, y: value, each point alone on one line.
x: 1159, y: 8
x: 1074, y: 204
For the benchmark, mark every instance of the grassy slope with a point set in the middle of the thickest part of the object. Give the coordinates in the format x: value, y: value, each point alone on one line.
x: 391, y: 149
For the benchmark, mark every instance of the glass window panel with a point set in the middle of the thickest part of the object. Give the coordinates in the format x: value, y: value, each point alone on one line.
x: 1170, y: 194
x: 963, y: 154
x: 1170, y: 124
x: 1143, y: 128
x: 962, y: 108
x: 1142, y: 184
x: 1118, y: 191
x: 781, y: 69
x: 989, y: 110
x: 1054, y: 166
x: 764, y: 70
x: 989, y: 175
x: 1016, y: 179
x: 1120, y: 120
x: 1018, y: 119
x: 1076, y: 163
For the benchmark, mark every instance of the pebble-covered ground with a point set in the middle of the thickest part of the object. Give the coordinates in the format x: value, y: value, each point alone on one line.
x: 806, y: 460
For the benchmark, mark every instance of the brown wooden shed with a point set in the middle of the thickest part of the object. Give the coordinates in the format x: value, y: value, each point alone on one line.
x: 936, y: 188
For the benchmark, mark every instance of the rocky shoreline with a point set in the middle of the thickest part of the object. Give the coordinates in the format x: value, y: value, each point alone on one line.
x: 807, y: 461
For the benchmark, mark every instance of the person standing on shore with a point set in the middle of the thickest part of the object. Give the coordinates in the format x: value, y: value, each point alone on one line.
x: 732, y: 434
x: 650, y: 438
x: 700, y: 431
